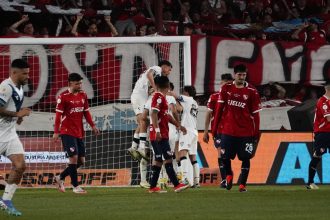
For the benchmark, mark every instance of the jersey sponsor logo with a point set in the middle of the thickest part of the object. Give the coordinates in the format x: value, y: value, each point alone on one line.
x: 236, y: 103
x: 77, y: 109
x: 245, y: 97
x: 194, y: 110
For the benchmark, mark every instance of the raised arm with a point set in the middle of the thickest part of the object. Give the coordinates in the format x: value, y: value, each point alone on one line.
x: 113, y: 30
x: 75, y: 26
x: 14, y: 26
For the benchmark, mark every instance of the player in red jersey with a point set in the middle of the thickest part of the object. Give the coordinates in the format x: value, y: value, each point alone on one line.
x: 238, y: 110
x: 72, y: 106
x: 159, y: 136
x: 322, y: 134
x: 211, y: 105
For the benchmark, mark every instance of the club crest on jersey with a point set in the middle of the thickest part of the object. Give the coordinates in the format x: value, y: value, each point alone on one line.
x: 325, y: 107
x: 245, y: 97
x: 159, y: 100
x: 59, y: 101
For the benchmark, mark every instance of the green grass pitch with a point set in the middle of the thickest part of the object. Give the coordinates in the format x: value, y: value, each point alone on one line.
x: 260, y: 202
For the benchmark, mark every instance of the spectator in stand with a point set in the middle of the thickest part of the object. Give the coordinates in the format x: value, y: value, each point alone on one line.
x: 92, y: 30
x: 206, y: 14
x: 27, y: 27
x: 125, y: 10
x: 310, y: 32
x: 218, y: 7
x: 151, y: 29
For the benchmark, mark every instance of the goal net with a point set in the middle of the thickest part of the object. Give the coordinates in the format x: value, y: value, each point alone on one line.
x: 109, y: 67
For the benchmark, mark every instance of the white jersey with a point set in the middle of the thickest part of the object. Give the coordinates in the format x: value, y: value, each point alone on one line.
x: 11, y: 98
x: 189, y: 114
x: 142, y: 85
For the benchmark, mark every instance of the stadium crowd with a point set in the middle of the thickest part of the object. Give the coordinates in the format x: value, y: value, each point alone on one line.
x: 285, y: 20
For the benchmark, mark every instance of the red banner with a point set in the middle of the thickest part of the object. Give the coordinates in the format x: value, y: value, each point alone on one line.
x: 109, y: 71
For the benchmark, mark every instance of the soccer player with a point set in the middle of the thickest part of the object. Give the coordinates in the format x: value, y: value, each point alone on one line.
x: 211, y: 104
x: 188, y: 142
x: 237, y: 119
x: 159, y: 137
x: 72, y: 106
x: 11, y: 112
x: 322, y: 134
x: 138, y: 98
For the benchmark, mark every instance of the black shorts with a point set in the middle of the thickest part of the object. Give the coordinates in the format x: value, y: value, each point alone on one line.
x: 321, y: 143
x: 244, y: 147
x: 217, y: 140
x: 73, y: 146
x: 162, y: 150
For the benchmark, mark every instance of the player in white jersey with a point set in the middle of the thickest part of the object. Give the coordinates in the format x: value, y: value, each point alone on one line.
x: 138, y: 98
x: 188, y: 142
x: 11, y: 112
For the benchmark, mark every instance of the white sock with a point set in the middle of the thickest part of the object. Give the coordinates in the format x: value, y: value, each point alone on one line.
x: 184, y: 168
x: 134, y: 144
x: 142, y: 144
x: 143, y: 170
x: 196, y: 171
x: 9, y: 191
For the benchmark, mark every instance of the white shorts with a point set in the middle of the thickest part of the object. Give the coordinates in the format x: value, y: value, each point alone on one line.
x: 138, y: 102
x: 188, y: 142
x: 14, y: 146
x: 173, y: 137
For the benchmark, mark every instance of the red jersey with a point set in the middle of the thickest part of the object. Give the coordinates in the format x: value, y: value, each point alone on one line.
x: 72, y: 106
x: 159, y: 104
x: 239, y: 105
x: 211, y: 104
x: 321, y: 123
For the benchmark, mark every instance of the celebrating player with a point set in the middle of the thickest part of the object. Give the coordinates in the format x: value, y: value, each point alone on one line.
x: 188, y: 142
x: 138, y: 98
x: 211, y: 104
x: 11, y: 100
x: 322, y: 134
x: 72, y: 106
x: 238, y: 109
x: 159, y: 132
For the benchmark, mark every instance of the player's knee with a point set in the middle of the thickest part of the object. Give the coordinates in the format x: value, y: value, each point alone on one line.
x: 20, y: 167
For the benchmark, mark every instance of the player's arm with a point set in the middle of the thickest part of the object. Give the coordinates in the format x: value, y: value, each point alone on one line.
x: 5, y: 94
x: 217, y: 116
x: 58, y: 115
x: 208, y: 117
x: 88, y: 117
x: 154, y: 120
x: 177, y: 124
x: 172, y: 108
x: 150, y: 77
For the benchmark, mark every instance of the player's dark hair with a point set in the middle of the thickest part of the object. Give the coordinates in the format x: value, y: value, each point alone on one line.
x: 74, y: 77
x: 240, y: 68
x: 226, y: 76
x: 20, y: 64
x: 165, y: 62
x: 162, y: 82
x: 190, y: 90
x: 171, y: 86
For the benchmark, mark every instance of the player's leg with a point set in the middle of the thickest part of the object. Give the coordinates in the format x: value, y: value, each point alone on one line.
x: 15, y: 153
x: 192, y: 155
x: 228, y: 152
x: 143, y: 174
x: 80, y: 162
x: 321, y: 141
x: 184, y: 147
x: 178, y: 162
x: 217, y: 144
x: 143, y: 126
x: 245, y: 152
x: 178, y: 187
x: 156, y: 167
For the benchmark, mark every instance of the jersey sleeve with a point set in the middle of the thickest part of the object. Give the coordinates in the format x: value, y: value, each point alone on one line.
x: 60, y: 104
x: 157, y: 70
x: 223, y: 94
x: 86, y: 105
x: 211, y: 103
x: 156, y: 102
x: 5, y: 94
x: 325, y: 108
x: 170, y: 100
x: 255, y: 102
x: 148, y: 105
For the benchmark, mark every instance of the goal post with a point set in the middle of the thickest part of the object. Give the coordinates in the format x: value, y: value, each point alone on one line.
x: 110, y: 68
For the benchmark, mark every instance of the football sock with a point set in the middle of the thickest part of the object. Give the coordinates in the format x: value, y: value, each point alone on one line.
x: 9, y: 191
x: 312, y: 169
x: 65, y: 173
x: 143, y: 139
x: 154, y: 176
x: 143, y: 170
x: 73, y: 174
x: 227, y: 164
x: 184, y: 167
x: 245, y: 168
x: 136, y: 140
x: 171, y: 174
x: 196, y: 171
x: 222, y: 169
